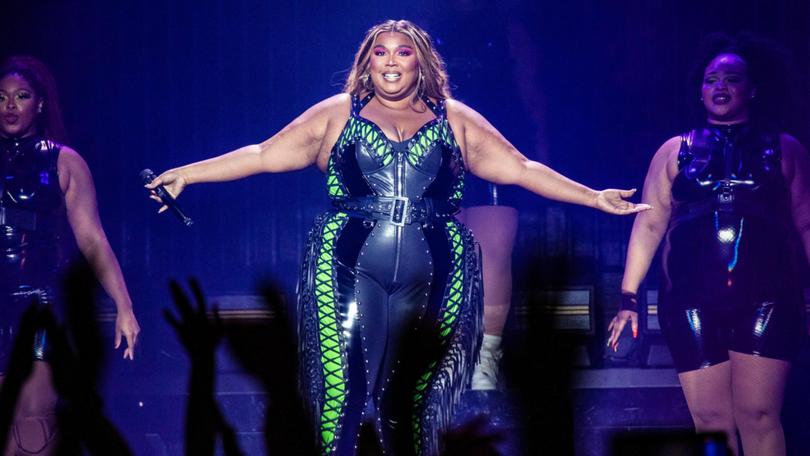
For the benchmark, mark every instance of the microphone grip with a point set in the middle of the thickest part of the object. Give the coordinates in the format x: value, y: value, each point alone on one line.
x: 148, y: 176
x: 173, y: 206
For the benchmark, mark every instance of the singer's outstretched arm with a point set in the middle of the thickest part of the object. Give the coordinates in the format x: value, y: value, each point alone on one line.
x: 307, y: 140
x: 491, y: 157
x: 82, y: 212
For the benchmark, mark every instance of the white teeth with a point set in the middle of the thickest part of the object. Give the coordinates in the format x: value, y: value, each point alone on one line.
x: 391, y: 76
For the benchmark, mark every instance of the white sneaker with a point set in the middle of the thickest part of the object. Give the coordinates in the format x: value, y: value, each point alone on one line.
x: 485, y: 374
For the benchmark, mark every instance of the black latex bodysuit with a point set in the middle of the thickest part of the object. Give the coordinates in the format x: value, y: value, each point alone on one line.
x: 33, y: 232
x: 389, y: 276
x: 729, y: 280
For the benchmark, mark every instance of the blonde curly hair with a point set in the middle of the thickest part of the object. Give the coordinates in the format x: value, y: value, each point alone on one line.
x: 433, y: 80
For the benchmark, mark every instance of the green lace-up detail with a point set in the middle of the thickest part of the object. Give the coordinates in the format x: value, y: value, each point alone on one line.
x: 453, y: 299
x: 360, y: 129
x: 331, y: 347
x: 334, y: 185
x: 437, y: 132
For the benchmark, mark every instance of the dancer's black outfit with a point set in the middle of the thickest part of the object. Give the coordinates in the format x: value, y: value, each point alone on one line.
x: 34, y: 235
x: 729, y: 276
x: 386, y: 269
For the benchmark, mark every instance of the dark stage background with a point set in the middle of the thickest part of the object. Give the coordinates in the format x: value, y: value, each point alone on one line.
x: 158, y: 84
x: 593, y: 88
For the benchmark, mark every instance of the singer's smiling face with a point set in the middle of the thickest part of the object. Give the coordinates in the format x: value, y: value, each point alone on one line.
x: 393, y: 65
x: 18, y: 106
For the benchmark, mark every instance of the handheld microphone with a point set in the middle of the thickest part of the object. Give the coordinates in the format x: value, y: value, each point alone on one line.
x: 148, y: 176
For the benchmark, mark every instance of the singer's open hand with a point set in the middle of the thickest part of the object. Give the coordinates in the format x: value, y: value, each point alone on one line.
x: 174, y: 183
x: 612, y: 201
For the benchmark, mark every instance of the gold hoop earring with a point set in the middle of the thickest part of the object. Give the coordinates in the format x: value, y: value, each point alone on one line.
x: 365, y: 80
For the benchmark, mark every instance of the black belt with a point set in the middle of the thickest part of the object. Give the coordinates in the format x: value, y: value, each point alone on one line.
x: 18, y: 218
x: 398, y: 210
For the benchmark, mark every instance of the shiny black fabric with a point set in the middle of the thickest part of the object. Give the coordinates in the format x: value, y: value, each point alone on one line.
x: 34, y: 245
x: 373, y: 290
x: 729, y: 281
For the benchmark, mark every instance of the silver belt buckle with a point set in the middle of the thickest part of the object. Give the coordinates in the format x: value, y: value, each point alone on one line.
x: 726, y: 195
x: 400, y: 206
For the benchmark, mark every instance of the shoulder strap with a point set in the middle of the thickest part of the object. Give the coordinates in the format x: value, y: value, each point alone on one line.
x: 687, y: 139
x: 437, y: 109
x: 359, y: 103
x: 49, y: 152
x: 53, y: 154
